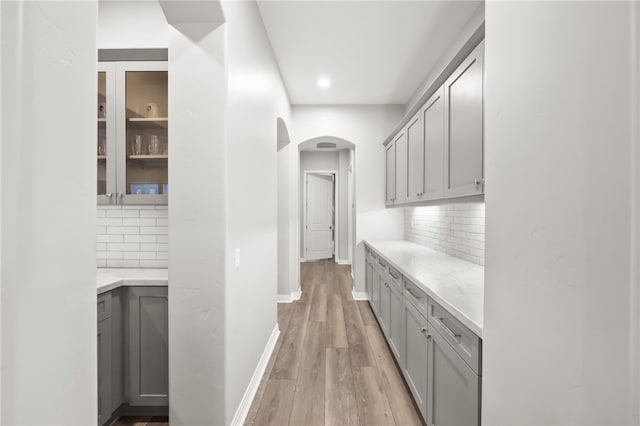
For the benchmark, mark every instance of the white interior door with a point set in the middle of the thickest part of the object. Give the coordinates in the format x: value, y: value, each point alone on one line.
x: 319, y: 227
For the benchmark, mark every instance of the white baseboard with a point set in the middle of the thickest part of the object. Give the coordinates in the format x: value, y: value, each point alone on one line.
x: 359, y: 295
x: 289, y: 298
x: 302, y: 260
x: 343, y: 262
x: 245, y: 404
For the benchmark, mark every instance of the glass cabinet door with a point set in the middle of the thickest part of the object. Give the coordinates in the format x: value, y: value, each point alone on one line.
x: 144, y: 147
x: 105, y: 148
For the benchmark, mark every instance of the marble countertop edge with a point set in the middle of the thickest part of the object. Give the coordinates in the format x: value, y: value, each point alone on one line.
x: 449, y: 278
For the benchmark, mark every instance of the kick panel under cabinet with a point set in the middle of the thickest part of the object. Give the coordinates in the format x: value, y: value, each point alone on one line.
x: 439, y: 152
x: 439, y: 357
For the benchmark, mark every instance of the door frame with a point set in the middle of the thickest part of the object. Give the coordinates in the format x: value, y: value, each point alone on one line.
x: 336, y: 225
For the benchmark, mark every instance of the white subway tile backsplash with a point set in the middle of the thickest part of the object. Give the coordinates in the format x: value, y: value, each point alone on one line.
x: 154, y: 263
x: 155, y: 230
x: 154, y: 247
x: 456, y: 229
x: 149, y: 255
x: 132, y: 237
x: 123, y: 213
x: 123, y: 230
x: 123, y: 247
x: 139, y: 221
x: 140, y: 238
x: 154, y: 213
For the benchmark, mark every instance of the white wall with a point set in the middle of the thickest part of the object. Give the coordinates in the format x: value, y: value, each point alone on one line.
x: 197, y: 219
x: 49, y: 360
x: 284, y: 257
x: 343, y: 213
x: 256, y: 99
x: 558, y: 318
x: 131, y: 25
x: 366, y: 127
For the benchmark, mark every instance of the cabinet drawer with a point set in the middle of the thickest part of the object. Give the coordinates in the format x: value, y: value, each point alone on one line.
x: 381, y: 264
x: 417, y: 297
x: 104, y: 306
x: 395, y: 278
x: 463, y: 340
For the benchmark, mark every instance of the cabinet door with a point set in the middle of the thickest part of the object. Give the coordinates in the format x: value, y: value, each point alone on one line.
x: 368, y: 279
x: 104, y: 371
x: 106, y: 143
x: 415, y: 160
x: 454, y: 388
x: 375, y: 291
x: 415, y: 355
x: 464, y: 129
x: 383, y: 314
x: 148, y: 346
x: 390, y: 156
x: 142, y: 132
x: 396, y: 324
x: 401, y: 169
x: 433, y: 122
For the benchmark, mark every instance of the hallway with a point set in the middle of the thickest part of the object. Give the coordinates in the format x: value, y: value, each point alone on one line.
x: 331, y: 364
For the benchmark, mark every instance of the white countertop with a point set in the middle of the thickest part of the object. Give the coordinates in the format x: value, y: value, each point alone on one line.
x: 457, y: 285
x: 111, y: 278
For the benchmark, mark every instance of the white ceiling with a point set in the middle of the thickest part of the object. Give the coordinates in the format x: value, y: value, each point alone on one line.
x: 374, y: 52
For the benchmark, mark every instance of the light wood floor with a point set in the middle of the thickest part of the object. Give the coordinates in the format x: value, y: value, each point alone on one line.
x: 331, y: 364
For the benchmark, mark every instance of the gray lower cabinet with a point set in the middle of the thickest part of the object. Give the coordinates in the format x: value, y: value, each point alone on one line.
x: 148, y: 346
x: 104, y: 370
x: 415, y: 355
x: 368, y: 279
x: 440, y: 358
x: 375, y: 290
x: 454, y: 388
x: 396, y: 323
x: 133, y: 352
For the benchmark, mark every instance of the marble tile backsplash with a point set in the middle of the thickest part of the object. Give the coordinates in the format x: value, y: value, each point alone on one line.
x: 456, y: 229
x: 132, y: 237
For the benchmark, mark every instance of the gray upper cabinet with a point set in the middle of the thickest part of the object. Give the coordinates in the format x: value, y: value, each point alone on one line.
x: 148, y: 346
x: 401, y: 168
x: 463, y: 99
x: 416, y: 158
x: 433, y: 122
x: 390, y: 185
x: 454, y: 388
x: 439, y: 153
x: 132, y: 146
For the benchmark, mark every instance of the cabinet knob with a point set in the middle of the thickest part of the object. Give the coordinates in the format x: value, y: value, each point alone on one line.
x: 476, y: 182
x: 109, y: 195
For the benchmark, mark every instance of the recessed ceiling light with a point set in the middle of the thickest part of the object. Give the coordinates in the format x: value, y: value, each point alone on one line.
x: 324, y: 83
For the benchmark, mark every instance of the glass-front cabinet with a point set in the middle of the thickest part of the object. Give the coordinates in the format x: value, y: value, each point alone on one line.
x: 133, y: 145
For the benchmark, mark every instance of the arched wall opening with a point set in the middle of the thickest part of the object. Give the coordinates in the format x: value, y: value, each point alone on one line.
x: 329, y: 155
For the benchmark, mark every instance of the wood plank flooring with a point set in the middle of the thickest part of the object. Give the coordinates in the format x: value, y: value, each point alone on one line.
x: 331, y: 364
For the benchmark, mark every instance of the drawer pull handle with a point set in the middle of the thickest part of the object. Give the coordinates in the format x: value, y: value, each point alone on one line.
x: 393, y: 276
x: 423, y: 330
x: 416, y: 296
x: 457, y: 336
